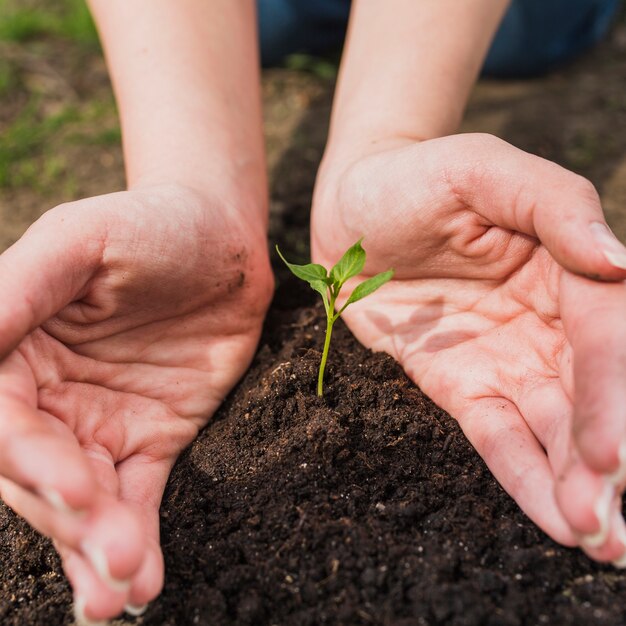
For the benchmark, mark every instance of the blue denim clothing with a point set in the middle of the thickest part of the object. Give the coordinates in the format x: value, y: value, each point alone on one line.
x: 534, y: 36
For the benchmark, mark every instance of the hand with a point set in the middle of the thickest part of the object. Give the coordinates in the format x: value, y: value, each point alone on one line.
x: 490, y: 314
x: 125, y: 320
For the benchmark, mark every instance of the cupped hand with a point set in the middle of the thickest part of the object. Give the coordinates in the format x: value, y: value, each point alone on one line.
x: 125, y: 319
x: 497, y: 311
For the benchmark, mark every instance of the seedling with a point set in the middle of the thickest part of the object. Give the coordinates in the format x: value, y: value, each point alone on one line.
x: 329, y: 284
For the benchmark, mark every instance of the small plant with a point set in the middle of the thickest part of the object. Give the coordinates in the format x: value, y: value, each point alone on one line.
x: 329, y: 284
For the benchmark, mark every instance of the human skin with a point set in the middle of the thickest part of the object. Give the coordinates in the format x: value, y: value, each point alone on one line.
x: 126, y: 318
x: 497, y: 309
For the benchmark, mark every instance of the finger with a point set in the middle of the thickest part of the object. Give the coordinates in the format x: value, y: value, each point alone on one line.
x: 64, y: 525
x: 47, y: 478
x: 592, y: 507
x: 94, y: 601
x: 142, y: 482
x: 547, y: 410
x: 109, y: 536
x: 37, y: 451
x: 525, y: 193
x: 148, y: 582
x: 586, y: 501
x: 115, y: 543
x: 496, y: 429
x: 45, y: 270
x: 121, y: 558
x: 594, y: 319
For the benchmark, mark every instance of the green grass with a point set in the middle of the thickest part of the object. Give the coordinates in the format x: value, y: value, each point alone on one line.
x: 325, y: 68
x: 22, y: 140
x: 29, y: 146
x: 22, y: 21
x: 583, y: 150
x: 38, y: 149
x: 8, y: 77
x: 107, y: 137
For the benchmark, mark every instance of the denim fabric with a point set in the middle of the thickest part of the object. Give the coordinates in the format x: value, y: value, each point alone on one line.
x: 313, y: 26
x: 534, y: 36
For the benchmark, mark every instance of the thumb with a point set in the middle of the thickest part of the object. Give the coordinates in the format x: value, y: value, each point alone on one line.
x: 520, y: 191
x: 593, y: 316
x: 46, y: 269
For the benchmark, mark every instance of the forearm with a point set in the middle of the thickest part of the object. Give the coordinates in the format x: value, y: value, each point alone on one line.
x: 408, y: 68
x: 186, y: 78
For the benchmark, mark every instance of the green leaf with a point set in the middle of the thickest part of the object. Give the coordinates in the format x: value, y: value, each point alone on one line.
x: 322, y: 288
x: 350, y: 264
x: 368, y: 286
x: 309, y: 272
x: 314, y: 274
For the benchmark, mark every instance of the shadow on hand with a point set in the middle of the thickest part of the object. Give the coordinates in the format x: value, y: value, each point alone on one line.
x: 417, y: 333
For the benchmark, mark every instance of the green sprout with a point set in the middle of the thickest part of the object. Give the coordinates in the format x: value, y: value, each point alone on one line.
x: 329, y: 284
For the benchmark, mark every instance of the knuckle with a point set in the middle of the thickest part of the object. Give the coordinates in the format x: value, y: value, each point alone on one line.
x: 488, y: 139
x: 60, y: 213
x: 585, y: 188
x: 484, y: 142
x: 56, y: 220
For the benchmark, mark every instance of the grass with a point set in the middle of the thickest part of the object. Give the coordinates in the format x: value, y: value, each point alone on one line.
x: 35, y: 140
x: 107, y: 137
x: 25, y: 20
x: 8, y: 77
x: 29, y: 146
x: 22, y: 141
x: 321, y: 67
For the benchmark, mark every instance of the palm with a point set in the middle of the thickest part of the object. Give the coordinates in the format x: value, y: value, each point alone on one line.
x: 134, y: 392
x: 507, y: 333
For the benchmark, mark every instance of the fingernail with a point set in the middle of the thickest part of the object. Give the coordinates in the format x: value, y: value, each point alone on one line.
x: 135, y: 611
x: 602, y: 509
x: 54, y: 499
x: 612, y: 248
x: 79, y: 614
x: 619, y: 475
x: 57, y: 501
x: 99, y: 561
x: 620, y: 531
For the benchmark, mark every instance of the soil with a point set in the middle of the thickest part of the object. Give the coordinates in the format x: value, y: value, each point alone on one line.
x: 368, y: 506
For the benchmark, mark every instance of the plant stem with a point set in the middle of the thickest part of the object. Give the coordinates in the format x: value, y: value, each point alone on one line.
x: 320, y: 378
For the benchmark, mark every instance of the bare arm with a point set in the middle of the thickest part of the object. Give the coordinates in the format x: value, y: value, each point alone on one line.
x: 186, y: 76
x: 408, y: 68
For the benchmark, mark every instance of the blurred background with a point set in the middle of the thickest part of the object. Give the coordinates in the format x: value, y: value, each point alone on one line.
x: 60, y: 139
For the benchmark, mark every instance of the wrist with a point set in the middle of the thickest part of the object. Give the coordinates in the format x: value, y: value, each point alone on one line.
x: 343, y: 151
x: 188, y: 91
x: 242, y: 203
x: 209, y: 157
x: 407, y: 72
